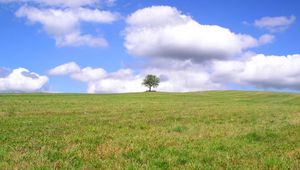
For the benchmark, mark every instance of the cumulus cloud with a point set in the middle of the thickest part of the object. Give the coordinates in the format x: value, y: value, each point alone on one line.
x: 274, y: 72
x: 121, y: 81
x: 193, y: 78
x: 275, y: 24
x: 98, y: 80
x: 258, y: 70
x: 87, y: 74
x: 177, y: 46
x: 22, y: 80
x: 172, y: 80
x: 65, y: 69
x: 163, y: 31
x: 61, y: 19
x: 181, y: 78
x: 64, y: 24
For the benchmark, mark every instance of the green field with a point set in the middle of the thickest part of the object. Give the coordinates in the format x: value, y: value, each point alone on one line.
x: 205, y: 130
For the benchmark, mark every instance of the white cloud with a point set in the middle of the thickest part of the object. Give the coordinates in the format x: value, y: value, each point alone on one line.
x: 67, y: 3
x: 63, y: 3
x: 65, y: 69
x: 258, y: 70
x: 266, y: 38
x: 22, y: 80
x: 172, y: 80
x: 182, y: 77
x: 192, y: 78
x: 163, y: 31
x: 64, y: 24
x: 75, y: 40
x: 98, y: 80
x: 121, y: 81
x: 275, y: 24
x: 87, y: 74
x: 275, y: 72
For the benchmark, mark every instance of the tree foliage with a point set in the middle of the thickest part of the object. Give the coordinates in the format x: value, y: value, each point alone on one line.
x: 151, y: 81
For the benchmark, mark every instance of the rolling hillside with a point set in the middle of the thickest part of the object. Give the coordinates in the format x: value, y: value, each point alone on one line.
x: 205, y: 130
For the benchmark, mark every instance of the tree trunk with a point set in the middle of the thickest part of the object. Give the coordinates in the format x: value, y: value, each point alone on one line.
x: 150, y: 89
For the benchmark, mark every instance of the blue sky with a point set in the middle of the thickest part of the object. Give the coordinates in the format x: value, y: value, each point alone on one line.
x: 28, y: 42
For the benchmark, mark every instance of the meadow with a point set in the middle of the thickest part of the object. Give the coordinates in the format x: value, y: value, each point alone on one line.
x: 204, y: 130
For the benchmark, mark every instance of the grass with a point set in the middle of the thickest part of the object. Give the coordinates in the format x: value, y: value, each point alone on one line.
x: 208, y: 130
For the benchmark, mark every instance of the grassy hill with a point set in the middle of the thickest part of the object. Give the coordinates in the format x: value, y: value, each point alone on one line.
x: 207, y: 130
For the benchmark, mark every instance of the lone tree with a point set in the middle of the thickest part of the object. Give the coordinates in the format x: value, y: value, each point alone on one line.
x: 151, y: 81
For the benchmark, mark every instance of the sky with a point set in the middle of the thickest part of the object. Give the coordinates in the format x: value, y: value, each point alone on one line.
x: 109, y: 46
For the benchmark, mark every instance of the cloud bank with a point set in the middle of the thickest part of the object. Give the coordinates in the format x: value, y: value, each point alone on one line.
x: 255, y: 70
x: 182, y: 78
x: 261, y: 71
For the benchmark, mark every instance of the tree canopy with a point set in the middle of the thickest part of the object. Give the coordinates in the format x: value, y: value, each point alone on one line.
x: 151, y: 81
